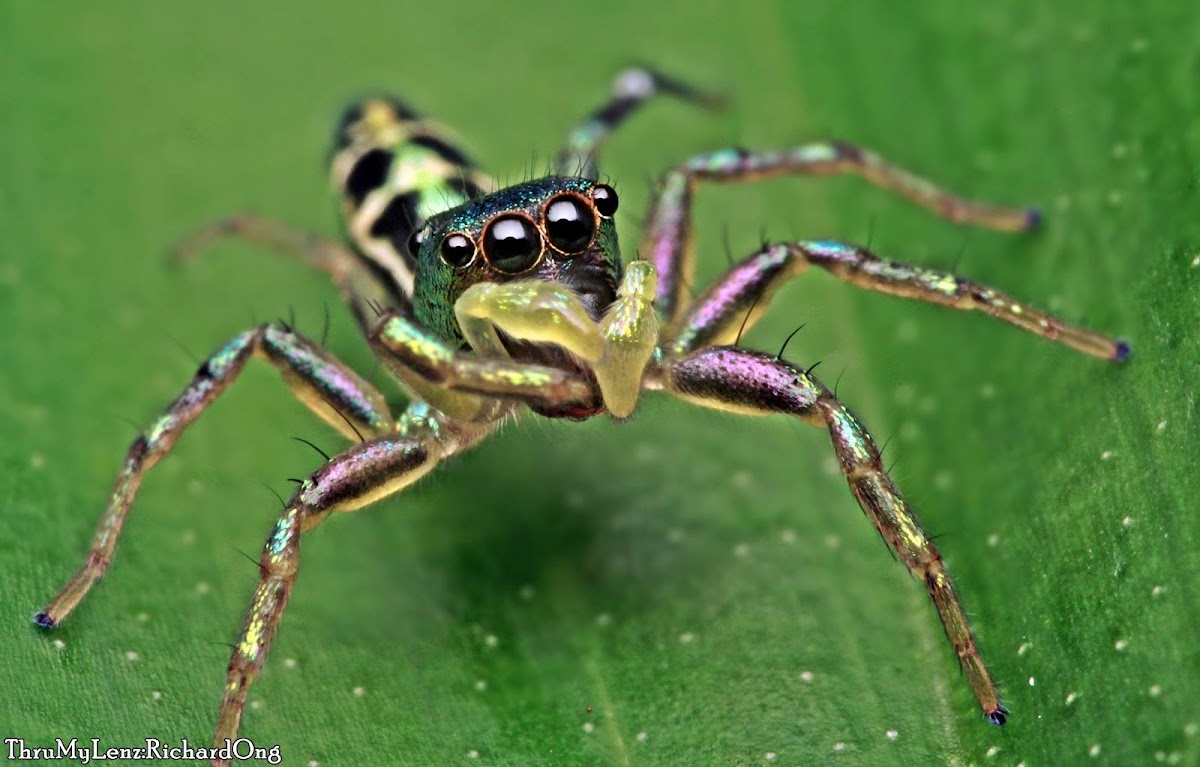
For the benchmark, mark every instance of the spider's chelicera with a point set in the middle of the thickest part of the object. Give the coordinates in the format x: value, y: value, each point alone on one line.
x: 486, y: 303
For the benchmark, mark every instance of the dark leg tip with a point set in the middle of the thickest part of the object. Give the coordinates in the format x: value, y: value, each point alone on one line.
x: 1122, y: 352
x: 43, y: 621
x: 1033, y: 219
x: 997, y: 717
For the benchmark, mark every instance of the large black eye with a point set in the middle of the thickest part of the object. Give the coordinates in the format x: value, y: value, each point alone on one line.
x: 569, y: 224
x: 457, y: 250
x: 512, y: 245
x: 414, y: 241
x: 605, y: 198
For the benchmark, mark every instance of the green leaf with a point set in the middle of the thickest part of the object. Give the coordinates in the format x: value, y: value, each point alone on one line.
x: 689, y: 588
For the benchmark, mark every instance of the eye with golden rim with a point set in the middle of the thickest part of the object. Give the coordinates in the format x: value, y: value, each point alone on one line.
x: 457, y: 250
x: 570, y: 224
x: 605, y: 198
x: 512, y: 244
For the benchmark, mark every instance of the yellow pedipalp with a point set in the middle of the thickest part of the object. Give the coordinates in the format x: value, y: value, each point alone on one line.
x: 630, y: 329
x: 541, y: 312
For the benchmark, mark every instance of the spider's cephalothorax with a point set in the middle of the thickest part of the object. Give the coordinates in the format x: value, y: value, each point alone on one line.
x: 557, y: 229
x: 485, y: 304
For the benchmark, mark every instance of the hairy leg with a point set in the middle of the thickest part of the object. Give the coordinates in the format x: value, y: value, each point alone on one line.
x: 630, y: 90
x: 737, y: 299
x: 754, y: 383
x: 330, y: 389
x: 668, y: 239
x: 350, y: 480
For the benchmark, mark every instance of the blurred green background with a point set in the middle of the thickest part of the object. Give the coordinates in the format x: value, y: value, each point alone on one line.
x: 690, y: 588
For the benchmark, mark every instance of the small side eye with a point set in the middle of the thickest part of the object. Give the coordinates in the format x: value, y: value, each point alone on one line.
x: 512, y: 245
x: 570, y: 224
x: 605, y: 198
x: 457, y: 250
x: 414, y: 241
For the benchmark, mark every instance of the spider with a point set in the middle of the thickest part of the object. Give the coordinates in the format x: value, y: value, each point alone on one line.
x: 486, y: 303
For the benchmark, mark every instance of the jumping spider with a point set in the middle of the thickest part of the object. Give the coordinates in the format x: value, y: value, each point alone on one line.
x: 485, y: 303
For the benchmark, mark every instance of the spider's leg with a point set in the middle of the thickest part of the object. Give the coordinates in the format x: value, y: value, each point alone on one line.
x: 466, y: 386
x: 350, y: 480
x: 753, y: 383
x: 617, y: 348
x: 363, y: 288
x: 630, y: 90
x: 668, y: 239
x: 735, y: 300
x: 330, y: 389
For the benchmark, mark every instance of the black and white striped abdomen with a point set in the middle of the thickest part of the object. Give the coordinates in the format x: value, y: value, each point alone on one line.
x: 394, y: 170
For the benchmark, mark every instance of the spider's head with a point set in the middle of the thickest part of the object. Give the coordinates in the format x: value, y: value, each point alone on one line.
x: 556, y: 229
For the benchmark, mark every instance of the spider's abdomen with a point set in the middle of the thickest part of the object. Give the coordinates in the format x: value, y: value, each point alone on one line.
x: 393, y: 171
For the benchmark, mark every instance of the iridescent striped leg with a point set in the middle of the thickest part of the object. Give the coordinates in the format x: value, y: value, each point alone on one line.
x: 350, y: 480
x: 330, y: 389
x: 667, y: 242
x: 754, y: 383
x: 737, y: 299
x: 470, y: 387
x: 362, y: 289
x: 630, y: 90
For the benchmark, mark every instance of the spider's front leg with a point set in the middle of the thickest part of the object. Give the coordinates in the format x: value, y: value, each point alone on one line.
x: 754, y: 383
x: 668, y: 239
x: 350, y: 480
x: 330, y: 389
x: 736, y: 300
x: 480, y: 391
